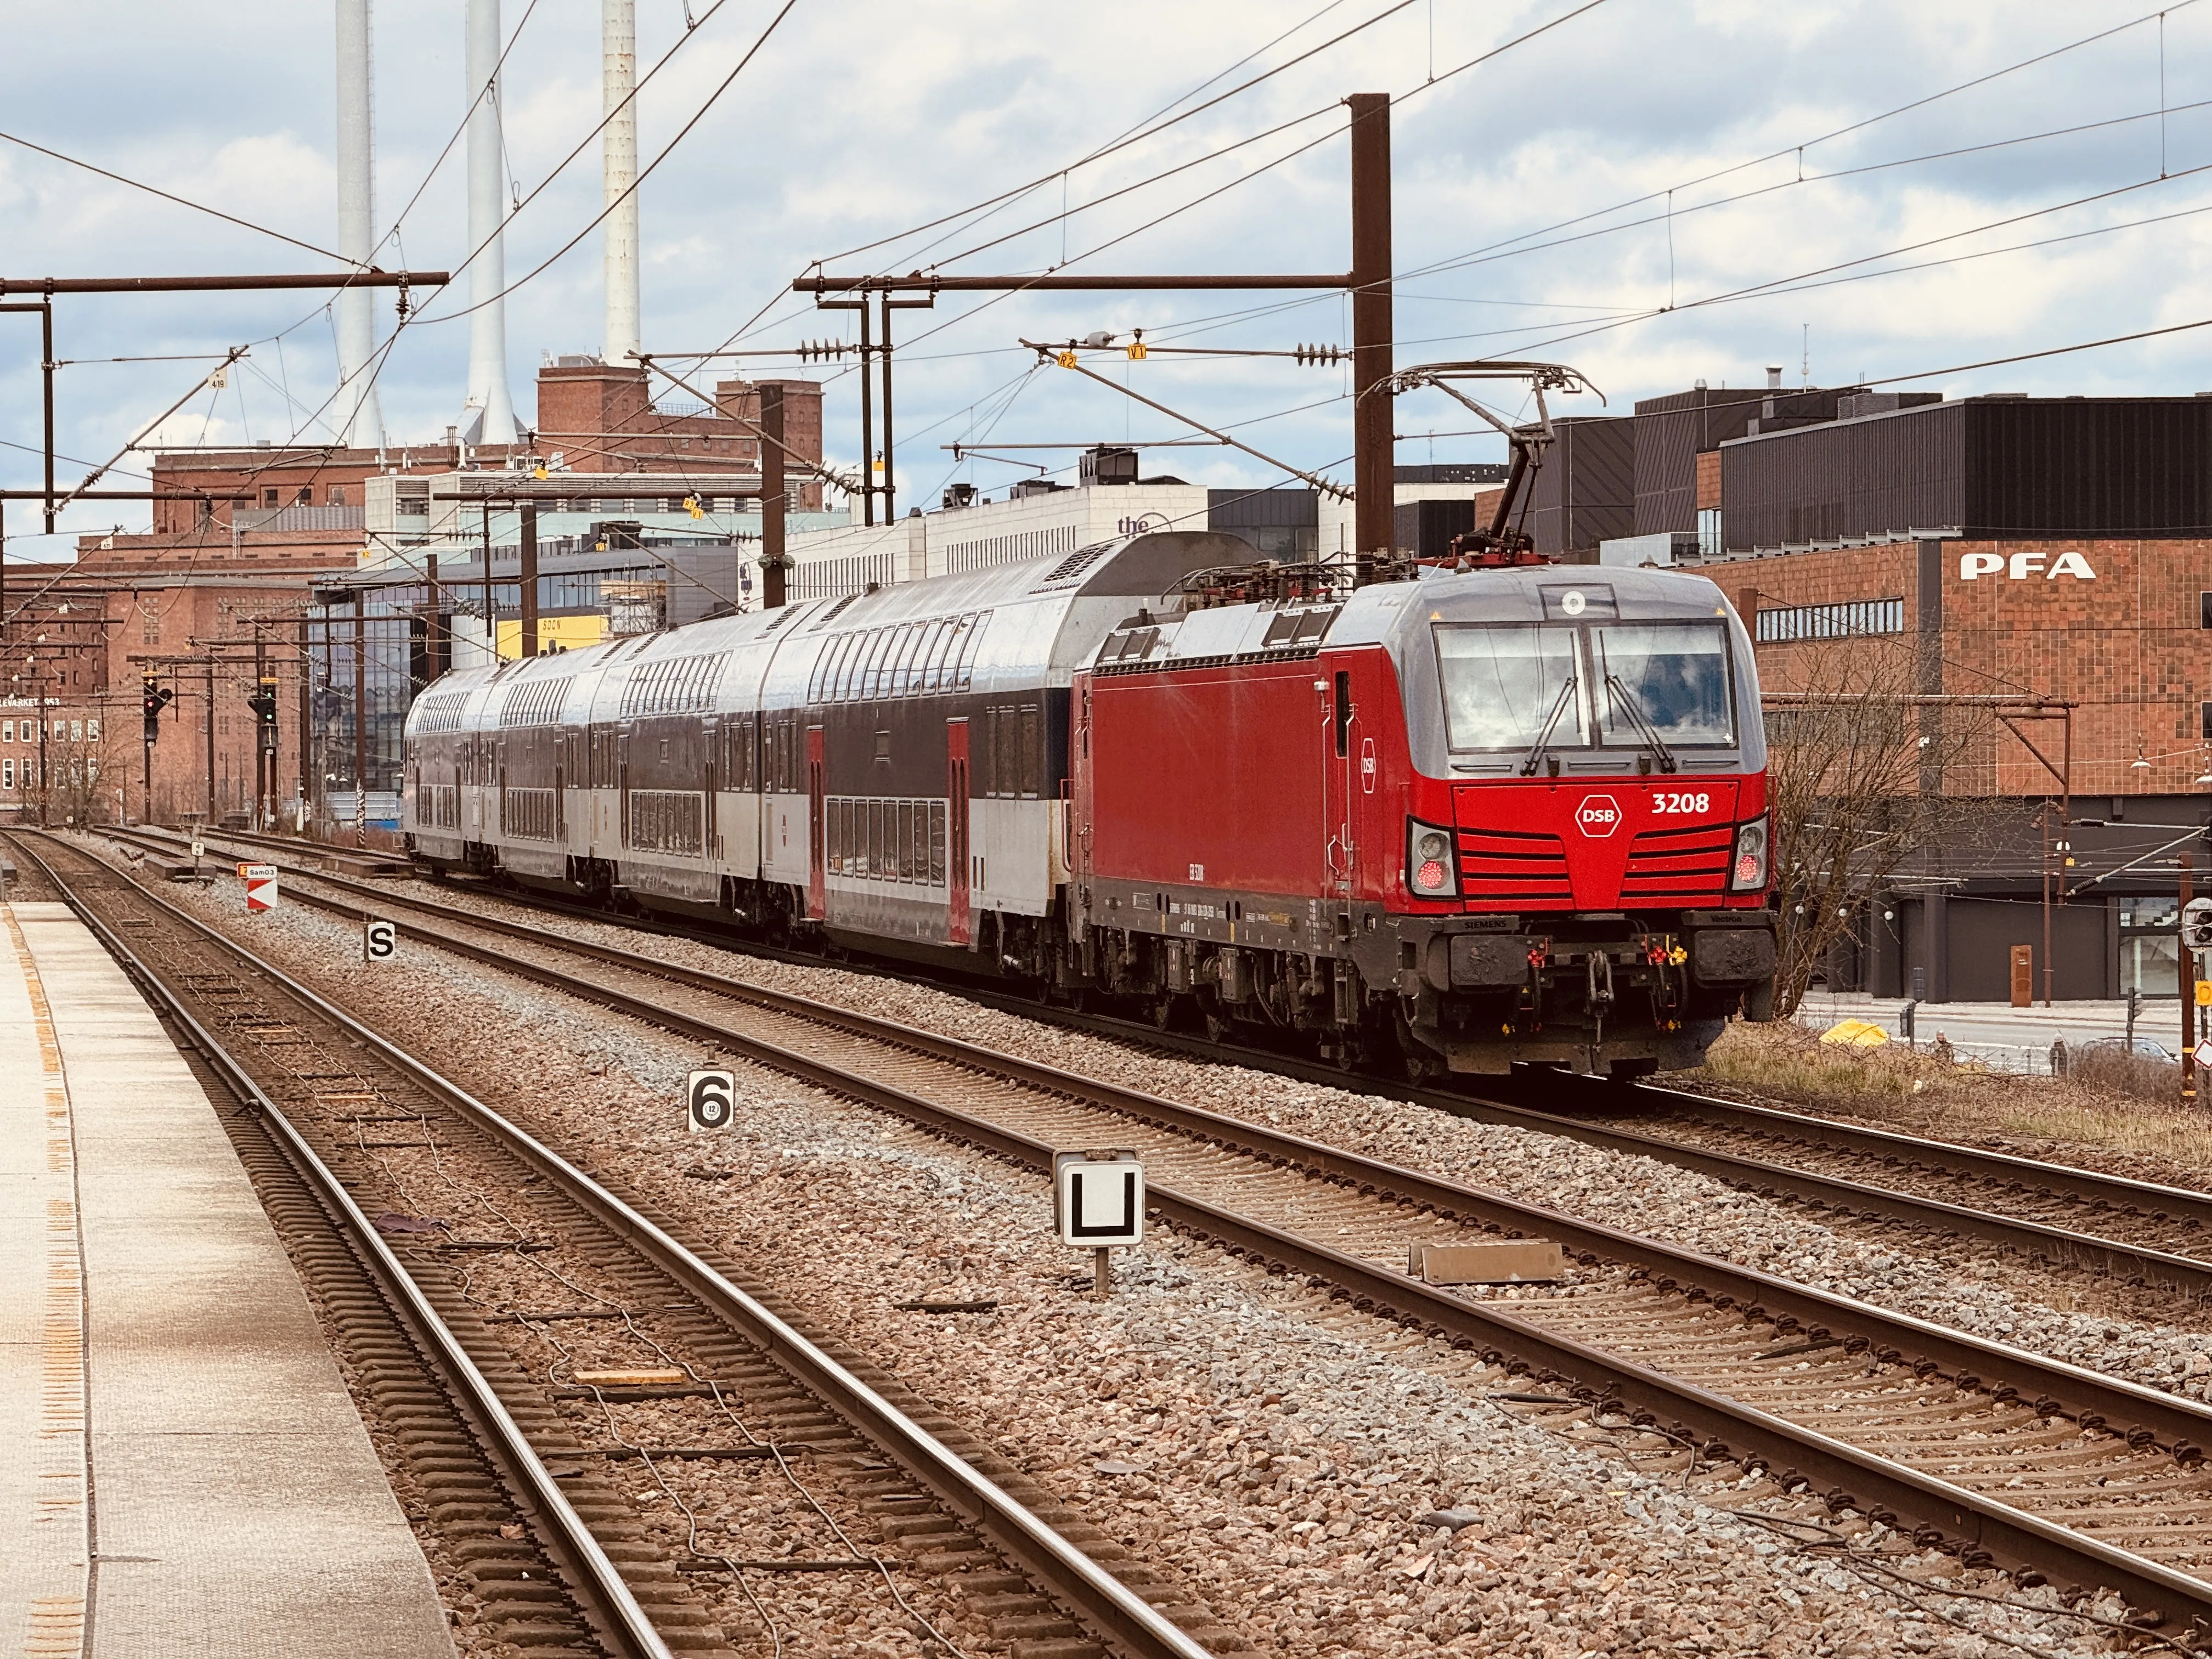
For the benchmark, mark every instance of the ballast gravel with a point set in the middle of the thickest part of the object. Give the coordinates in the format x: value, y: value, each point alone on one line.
x: 1281, y: 1455
x: 1964, y: 1285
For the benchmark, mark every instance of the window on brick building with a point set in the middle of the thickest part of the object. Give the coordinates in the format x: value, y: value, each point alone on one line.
x: 7, y: 731
x: 2204, y: 610
x: 307, y: 495
x: 337, y: 495
x: 268, y: 498
x: 2205, y: 716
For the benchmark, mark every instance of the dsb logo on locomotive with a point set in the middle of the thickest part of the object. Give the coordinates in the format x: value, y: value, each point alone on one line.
x: 1598, y: 816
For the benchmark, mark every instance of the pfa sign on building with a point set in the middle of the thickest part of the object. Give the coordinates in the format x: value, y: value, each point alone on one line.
x: 379, y: 940
x: 1098, y: 1199
x: 260, y: 887
x: 709, y: 1100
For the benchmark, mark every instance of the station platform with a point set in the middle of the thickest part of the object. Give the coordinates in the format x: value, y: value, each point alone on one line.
x: 182, y: 1471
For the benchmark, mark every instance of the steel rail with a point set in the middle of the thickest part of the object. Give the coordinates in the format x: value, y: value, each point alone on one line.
x: 2177, y: 1423
x: 1128, y: 1623
x: 1846, y: 1197
x: 1854, y: 1478
x: 2149, y: 1196
x: 2122, y: 1192
x: 595, y: 1573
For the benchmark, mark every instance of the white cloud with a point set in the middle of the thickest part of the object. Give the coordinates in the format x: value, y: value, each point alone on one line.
x: 860, y: 119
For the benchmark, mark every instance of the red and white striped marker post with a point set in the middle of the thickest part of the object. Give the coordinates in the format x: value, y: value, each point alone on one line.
x: 260, y: 887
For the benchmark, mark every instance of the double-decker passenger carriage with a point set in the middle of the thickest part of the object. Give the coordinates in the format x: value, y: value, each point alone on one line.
x: 1448, y: 821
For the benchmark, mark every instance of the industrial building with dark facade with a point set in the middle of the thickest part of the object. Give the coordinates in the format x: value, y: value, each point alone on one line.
x: 2035, y: 572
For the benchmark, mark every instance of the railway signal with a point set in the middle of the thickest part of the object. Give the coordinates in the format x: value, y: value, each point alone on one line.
x: 155, y: 697
x: 2196, y: 925
x: 1099, y: 1204
x: 262, y: 702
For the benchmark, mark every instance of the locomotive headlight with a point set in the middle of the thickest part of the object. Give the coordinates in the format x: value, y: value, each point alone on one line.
x: 1747, y: 868
x: 1428, y: 872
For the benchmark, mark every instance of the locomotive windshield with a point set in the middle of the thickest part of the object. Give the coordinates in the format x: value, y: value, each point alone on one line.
x: 1672, y: 675
x: 1501, y: 684
x: 1623, y: 683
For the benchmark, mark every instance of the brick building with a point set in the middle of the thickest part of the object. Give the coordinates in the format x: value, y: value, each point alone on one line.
x: 591, y: 418
x: 233, y: 555
x: 599, y: 418
x: 2115, y: 627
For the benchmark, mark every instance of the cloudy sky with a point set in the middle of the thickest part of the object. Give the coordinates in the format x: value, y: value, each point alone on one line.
x: 1654, y: 192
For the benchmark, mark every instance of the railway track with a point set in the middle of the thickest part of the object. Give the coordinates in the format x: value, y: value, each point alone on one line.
x: 2139, y: 1234
x: 1997, y: 1454
x: 522, y: 1433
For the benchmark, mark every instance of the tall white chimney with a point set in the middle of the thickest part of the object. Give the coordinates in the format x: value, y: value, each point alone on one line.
x: 355, y: 411
x: 618, y: 42
x: 488, y: 417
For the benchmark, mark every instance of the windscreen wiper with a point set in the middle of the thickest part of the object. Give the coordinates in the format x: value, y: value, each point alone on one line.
x: 1626, y: 701
x: 1535, y: 757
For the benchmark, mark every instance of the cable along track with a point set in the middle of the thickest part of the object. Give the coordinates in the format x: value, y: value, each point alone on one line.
x: 2137, y: 1232
x: 732, y: 1361
x: 2053, y: 1470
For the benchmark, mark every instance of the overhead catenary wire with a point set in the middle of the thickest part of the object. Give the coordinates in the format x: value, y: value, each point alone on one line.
x: 181, y: 201
x: 1137, y: 137
x: 1805, y: 279
x: 756, y: 319
x: 1800, y: 145
x: 644, y: 173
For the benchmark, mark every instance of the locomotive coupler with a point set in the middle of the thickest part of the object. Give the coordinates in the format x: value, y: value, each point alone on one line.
x: 1600, y: 964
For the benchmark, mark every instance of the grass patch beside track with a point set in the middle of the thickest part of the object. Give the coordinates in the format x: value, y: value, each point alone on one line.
x: 2125, y: 1120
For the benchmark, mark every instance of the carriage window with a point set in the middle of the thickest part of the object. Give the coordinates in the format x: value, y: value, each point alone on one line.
x: 933, y: 662
x: 1501, y: 684
x: 1670, y: 677
x: 849, y: 666
x: 1032, y: 761
x: 913, y: 634
x: 878, y: 672
x: 971, y: 637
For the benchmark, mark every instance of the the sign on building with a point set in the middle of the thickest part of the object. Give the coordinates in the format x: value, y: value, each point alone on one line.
x: 2025, y: 567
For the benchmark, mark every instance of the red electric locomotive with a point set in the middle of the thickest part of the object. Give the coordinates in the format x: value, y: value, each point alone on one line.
x: 1460, y: 821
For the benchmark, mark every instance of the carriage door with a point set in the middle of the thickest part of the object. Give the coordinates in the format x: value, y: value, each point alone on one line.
x: 1341, y: 759
x: 959, y: 928
x: 560, y: 759
x: 818, y: 827
x: 710, y: 736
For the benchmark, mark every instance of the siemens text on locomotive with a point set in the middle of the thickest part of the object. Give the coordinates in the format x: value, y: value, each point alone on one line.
x: 1453, y: 821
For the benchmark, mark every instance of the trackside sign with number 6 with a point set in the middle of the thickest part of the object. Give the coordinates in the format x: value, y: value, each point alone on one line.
x: 711, y: 1097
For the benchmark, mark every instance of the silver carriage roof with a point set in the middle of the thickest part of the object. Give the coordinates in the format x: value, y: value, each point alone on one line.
x: 1131, y: 567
